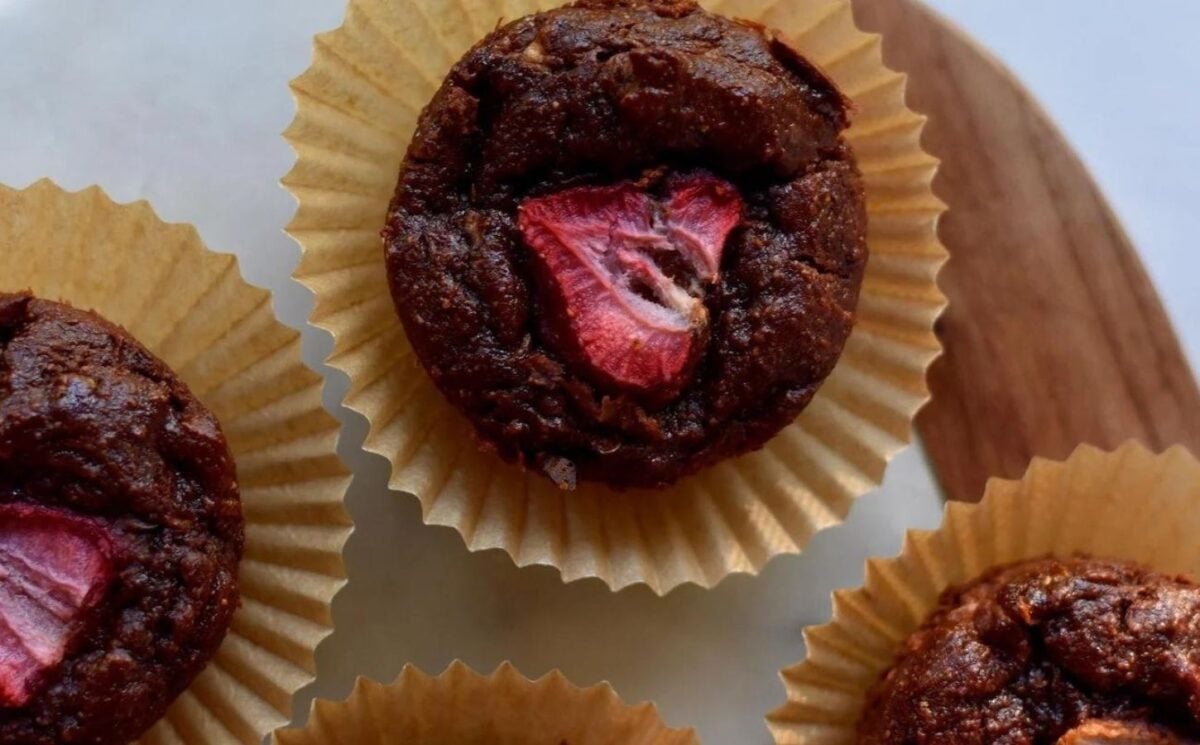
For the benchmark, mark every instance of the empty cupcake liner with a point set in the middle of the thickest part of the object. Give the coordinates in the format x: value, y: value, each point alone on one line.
x: 463, y: 707
x: 1128, y: 504
x: 356, y: 109
x: 192, y: 308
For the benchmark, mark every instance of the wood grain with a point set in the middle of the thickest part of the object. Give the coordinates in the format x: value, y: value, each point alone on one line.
x: 1055, y: 335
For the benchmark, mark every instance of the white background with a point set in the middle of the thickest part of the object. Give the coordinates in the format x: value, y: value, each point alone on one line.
x: 182, y: 103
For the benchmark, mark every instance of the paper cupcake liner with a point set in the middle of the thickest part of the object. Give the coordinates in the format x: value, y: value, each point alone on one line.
x: 191, y: 307
x: 1129, y: 504
x: 356, y: 109
x: 461, y: 707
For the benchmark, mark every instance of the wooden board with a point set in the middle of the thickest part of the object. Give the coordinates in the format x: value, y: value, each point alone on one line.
x: 1055, y: 335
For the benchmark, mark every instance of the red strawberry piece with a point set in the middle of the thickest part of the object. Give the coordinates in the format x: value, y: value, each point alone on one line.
x: 603, y: 248
x: 54, y: 567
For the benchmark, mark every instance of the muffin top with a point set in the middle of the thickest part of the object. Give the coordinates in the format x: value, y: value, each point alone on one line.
x: 1048, y: 651
x: 120, y: 530
x: 628, y: 239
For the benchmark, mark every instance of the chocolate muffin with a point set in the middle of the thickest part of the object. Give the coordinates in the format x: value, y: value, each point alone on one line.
x: 628, y: 239
x: 1044, y: 652
x: 120, y: 530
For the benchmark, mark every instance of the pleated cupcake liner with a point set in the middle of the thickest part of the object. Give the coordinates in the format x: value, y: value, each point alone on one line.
x: 191, y: 307
x: 462, y: 707
x: 357, y: 106
x: 1129, y: 504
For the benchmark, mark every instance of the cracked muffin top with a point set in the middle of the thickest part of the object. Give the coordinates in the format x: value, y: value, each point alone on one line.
x: 1049, y: 651
x: 628, y: 239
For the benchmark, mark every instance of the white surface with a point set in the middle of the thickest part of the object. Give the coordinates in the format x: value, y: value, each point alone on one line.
x: 182, y: 103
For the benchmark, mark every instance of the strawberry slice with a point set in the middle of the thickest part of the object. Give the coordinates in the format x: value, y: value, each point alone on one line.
x: 605, y: 249
x: 1112, y: 732
x: 54, y: 567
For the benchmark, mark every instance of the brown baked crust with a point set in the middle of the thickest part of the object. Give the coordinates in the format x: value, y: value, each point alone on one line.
x: 92, y: 423
x: 597, y: 93
x: 1030, y: 652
